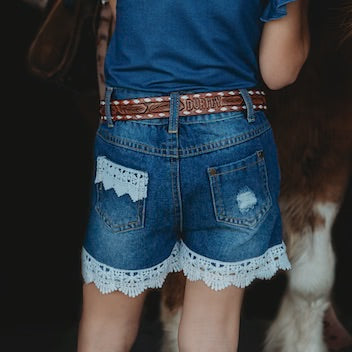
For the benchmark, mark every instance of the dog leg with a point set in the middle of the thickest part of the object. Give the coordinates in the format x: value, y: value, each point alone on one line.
x: 171, y: 302
x: 298, y: 325
x: 170, y: 321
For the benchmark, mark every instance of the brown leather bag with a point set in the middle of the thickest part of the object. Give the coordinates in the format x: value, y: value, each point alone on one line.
x: 64, y: 48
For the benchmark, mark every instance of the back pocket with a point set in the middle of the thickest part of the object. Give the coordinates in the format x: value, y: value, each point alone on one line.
x: 240, y: 191
x: 121, y: 195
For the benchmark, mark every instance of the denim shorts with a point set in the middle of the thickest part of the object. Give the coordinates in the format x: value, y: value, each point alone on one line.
x: 196, y: 193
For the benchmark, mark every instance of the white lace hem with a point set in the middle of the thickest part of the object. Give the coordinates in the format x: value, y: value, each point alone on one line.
x: 130, y: 282
x: 218, y: 275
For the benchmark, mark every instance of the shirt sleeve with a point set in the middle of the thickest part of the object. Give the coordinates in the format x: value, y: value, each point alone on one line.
x: 274, y: 10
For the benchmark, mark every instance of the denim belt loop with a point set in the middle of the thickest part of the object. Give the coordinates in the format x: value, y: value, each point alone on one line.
x: 108, y: 93
x: 249, y: 104
x: 174, y: 112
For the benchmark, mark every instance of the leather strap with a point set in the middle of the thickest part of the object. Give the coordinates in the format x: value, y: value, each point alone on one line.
x: 190, y: 104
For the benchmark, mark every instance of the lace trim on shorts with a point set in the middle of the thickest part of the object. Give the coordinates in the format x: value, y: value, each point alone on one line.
x: 130, y: 282
x: 218, y: 275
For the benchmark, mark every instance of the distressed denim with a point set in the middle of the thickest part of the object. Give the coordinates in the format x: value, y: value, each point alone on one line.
x: 197, y: 193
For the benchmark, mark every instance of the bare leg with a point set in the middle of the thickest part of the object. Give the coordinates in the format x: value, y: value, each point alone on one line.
x: 109, y: 322
x: 210, y: 319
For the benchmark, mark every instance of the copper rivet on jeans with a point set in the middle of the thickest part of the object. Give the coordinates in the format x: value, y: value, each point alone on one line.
x: 260, y: 154
x: 212, y: 171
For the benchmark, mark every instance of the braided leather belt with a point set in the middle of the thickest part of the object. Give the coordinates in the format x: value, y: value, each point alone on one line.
x: 190, y: 104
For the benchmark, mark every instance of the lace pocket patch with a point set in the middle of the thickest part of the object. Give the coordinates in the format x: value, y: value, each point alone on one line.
x: 122, y: 179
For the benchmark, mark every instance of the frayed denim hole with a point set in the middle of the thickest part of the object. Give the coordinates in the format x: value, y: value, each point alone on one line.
x: 246, y: 199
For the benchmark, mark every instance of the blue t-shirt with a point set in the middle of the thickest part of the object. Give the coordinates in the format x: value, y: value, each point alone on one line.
x: 200, y: 45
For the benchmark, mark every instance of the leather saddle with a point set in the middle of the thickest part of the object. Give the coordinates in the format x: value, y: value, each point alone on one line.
x: 64, y: 48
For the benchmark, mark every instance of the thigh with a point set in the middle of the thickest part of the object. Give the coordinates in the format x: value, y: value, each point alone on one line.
x: 210, y: 316
x: 115, y: 306
x: 108, y: 321
x: 207, y: 306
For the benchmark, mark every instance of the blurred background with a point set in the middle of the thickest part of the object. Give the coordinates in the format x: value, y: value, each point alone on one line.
x: 46, y: 162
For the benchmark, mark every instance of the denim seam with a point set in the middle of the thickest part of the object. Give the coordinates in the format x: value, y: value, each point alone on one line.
x: 179, y: 195
x: 231, y: 115
x: 212, y: 121
x: 229, y: 142
x: 224, y: 143
x: 236, y: 169
x: 173, y: 190
x: 132, y: 144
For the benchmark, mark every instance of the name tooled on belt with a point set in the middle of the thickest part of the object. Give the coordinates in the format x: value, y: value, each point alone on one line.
x: 203, y: 103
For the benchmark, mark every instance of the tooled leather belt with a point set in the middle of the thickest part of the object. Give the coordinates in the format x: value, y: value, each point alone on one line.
x: 190, y: 104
